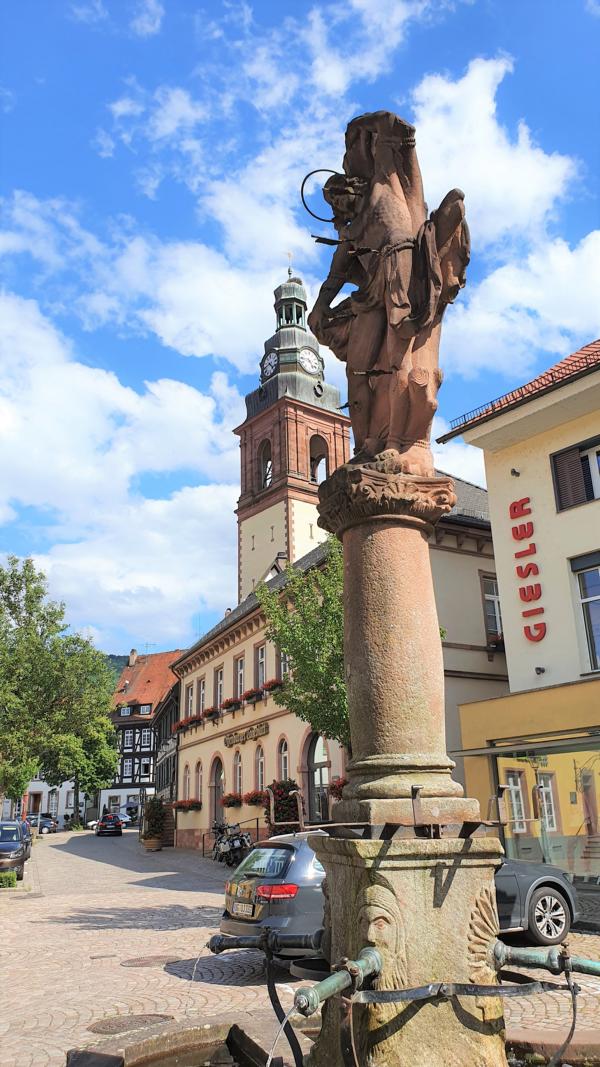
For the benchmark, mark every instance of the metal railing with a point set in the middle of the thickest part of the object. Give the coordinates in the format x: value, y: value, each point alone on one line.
x: 577, y: 366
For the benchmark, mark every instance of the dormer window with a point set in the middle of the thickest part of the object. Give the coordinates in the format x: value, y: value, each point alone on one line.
x: 125, y: 710
x: 145, y: 709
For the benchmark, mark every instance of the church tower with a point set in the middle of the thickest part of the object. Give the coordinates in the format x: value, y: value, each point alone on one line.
x: 293, y: 437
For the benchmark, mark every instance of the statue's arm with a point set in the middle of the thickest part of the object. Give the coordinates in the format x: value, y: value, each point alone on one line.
x: 337, y: 277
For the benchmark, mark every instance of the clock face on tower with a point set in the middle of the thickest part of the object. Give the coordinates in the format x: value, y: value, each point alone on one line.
x: 270, y: 364
x: 309, y: 360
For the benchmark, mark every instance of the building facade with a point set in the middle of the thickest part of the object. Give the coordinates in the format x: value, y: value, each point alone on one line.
x: 233, y: 738
x: 142, y: 686
x: 542, y: 456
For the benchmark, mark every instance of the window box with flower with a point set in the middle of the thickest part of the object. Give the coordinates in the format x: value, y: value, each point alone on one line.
x: 232, y: 800
x: 252, y: 695
x: 187, y: 805
x: 272, y: 684
x: 212, y: 714
x: 231, y: 704
x: 495, y: 642
x: 256, y: 797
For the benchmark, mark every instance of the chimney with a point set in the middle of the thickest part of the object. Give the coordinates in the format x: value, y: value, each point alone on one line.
x: 133, y: 657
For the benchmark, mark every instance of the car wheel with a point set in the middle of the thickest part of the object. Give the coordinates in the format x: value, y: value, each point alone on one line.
x: 20, y: 873
x: 44, y: 830
x: 549, y: 916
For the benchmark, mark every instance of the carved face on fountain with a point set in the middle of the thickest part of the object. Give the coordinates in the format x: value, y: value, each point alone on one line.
x: 380, y: 926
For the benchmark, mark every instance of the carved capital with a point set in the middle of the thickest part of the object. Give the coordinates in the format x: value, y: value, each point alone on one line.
x: 357, y: 493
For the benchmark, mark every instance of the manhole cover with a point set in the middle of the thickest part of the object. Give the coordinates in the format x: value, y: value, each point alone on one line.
x: 149, y: 961
x: 120, y: 1024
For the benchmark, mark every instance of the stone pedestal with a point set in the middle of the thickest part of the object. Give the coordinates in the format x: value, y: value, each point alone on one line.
x: 429, y: 908
x: 392, y: 647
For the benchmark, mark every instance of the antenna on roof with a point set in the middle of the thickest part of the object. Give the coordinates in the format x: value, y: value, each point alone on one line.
x: 148, y: 645
x: 289, y: 255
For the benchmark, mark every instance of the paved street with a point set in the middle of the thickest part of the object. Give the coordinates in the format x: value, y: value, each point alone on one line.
x: 99, y: 906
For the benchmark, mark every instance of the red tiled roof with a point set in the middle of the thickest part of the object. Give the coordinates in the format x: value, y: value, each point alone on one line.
x: 148, y: 681
x: 583, y: 361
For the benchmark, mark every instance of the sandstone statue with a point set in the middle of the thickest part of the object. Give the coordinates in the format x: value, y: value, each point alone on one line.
x: 406, y: 268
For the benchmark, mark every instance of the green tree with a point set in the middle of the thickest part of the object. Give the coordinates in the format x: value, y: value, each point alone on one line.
x: 306, y: 622
x: 312, y: 637
x: 55, y: 691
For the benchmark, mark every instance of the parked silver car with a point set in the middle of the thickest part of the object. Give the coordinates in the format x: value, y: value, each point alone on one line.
x: 279, y: 885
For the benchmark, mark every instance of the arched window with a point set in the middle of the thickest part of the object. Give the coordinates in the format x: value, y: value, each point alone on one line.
x: 260, y: 767
x: 237, y: 773
x: 265, y: 465
x: 186, y: 782
x: 319, y: 459
x: 198, y: 781
x: 283, y: 759
x: 318, y: 778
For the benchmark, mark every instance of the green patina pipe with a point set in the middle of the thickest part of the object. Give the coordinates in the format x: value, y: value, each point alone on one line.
x: 551, y: 959
x: 308, y: 998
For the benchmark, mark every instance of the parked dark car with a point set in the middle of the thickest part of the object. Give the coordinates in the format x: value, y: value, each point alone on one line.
x: 45, y: 824
x: 12, y: 848
x: 109, y: 824
x: 279, y: 885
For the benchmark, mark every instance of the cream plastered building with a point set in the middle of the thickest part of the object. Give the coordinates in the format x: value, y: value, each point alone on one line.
x: 542, y: 457
x: 233, y: 738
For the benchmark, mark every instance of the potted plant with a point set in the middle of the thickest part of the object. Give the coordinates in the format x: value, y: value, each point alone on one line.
x: 212, y: 714
x: 231, y: 800
x: 154, y: 821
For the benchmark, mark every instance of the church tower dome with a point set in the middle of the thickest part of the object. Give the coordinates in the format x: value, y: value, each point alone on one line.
x: 293, y: 436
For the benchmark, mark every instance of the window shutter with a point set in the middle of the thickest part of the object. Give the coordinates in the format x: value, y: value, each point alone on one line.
x: 568, y: 479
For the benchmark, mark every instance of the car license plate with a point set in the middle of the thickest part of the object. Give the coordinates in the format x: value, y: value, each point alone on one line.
x: 242, y: 909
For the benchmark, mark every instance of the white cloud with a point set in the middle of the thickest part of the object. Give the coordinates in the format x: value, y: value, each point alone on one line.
x: 92, y: 11
x: 103, y: 143
x: 174, y: 110
x: 593, y: 7
x: 547, y: 301
x: 457, y: 458
x: 148, y: 18
x: 7, y: 99
x: 74, y: 443
x: 512, y: 186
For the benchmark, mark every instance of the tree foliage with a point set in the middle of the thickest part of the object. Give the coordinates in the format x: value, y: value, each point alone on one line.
x: 55, y: 691
x: 307, y: 624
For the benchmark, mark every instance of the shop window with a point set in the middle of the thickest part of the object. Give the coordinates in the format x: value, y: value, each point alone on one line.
x: 547, y: 806
x: 514, y: 780
x: 576, y: 474
x: 237, y: 773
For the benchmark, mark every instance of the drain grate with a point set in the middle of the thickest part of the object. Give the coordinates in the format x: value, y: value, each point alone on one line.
x: 120, y: 1024
x: 149, y: 961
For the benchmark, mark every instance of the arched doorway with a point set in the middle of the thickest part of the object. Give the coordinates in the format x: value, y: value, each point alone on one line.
x: 318, y: 779
x: 217, y: 788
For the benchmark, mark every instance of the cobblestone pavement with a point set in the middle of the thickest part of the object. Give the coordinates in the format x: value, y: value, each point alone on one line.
x: 98, y: 904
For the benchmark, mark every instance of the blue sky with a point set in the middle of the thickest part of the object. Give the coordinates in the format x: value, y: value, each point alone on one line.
x: 152, y: 152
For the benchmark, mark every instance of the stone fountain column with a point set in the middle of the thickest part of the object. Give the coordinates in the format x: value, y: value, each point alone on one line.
x: 428, y: 904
